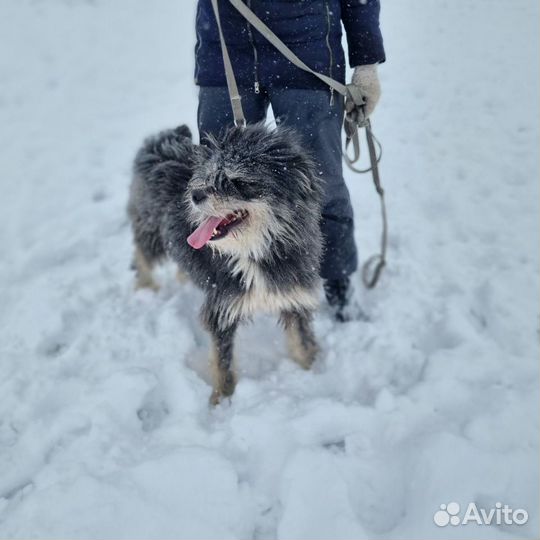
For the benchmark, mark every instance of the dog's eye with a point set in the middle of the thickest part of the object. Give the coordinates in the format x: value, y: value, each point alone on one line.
x: 237, y: 181
x: 242, y: 180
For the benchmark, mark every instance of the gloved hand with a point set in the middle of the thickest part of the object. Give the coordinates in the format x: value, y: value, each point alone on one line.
x: 366, y: 79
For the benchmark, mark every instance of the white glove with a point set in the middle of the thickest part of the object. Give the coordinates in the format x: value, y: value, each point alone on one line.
x: 366, y: 79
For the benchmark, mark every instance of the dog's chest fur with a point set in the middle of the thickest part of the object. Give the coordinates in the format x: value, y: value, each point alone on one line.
x: 261, y: 295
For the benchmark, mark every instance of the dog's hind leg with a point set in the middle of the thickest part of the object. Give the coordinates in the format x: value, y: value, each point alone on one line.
x: 143, y: 271
x: 301, y: 340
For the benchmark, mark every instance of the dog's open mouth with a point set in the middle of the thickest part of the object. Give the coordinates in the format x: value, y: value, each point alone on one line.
x: 214, y: 228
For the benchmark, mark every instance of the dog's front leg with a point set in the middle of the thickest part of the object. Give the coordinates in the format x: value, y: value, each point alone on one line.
x: 301, y: 339
x: 222, y: 359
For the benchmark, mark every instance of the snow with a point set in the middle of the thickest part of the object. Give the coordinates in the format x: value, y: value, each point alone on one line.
x: 432, y: 397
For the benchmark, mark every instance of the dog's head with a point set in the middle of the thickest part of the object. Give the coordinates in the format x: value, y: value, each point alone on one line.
x: 250, y: 187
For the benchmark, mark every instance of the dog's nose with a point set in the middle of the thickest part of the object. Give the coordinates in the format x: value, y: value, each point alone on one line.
x: 199, y: 195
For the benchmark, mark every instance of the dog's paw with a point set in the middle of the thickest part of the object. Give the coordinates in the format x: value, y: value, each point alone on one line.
x: 307, y: 358
x: 146, y: 284
x: 215, y: 398
x: 303, y: 348
x: 225, y: 389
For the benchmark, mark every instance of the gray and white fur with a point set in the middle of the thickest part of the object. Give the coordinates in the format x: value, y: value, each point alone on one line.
x: 268, y: 260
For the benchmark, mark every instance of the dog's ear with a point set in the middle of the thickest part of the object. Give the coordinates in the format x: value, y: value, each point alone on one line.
x: 201, y: 153
x: 183, y: 131
x: 175, y: 171
x: 284, y: 147
x: 170, y: 179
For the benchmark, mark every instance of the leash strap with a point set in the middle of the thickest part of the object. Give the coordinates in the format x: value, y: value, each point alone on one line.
x: 354, y: 119
x: 234, y: 94
x: 373, y: 267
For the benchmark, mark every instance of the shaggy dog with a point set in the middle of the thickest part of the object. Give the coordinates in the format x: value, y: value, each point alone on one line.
x: 240, y: 216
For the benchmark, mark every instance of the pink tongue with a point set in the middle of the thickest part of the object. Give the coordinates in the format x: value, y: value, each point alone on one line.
x: 200, y: 236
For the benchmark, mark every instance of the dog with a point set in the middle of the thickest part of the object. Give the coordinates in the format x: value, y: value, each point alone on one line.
x: 240, y: 216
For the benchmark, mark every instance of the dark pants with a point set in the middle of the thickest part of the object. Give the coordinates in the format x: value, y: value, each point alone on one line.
x: 319, y: 124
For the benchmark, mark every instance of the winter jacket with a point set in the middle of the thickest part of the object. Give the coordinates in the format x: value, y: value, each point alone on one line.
x: 311, y: 28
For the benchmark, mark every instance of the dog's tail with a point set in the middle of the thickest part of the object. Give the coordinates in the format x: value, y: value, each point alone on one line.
x: 172, y: 145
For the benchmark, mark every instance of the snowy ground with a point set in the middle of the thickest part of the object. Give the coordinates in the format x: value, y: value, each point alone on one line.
x: 105, y: 429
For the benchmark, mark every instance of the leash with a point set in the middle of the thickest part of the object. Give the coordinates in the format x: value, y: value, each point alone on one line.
x: 234, y: 95
x: 353, y: 121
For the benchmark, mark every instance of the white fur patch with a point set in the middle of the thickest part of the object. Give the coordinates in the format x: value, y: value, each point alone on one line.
x: 260, y: 297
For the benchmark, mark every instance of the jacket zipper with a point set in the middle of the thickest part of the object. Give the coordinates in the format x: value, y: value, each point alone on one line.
x: 256, y: 84
x: 330, y: 52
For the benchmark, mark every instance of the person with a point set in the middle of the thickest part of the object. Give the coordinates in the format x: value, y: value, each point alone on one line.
x: 312, y: 29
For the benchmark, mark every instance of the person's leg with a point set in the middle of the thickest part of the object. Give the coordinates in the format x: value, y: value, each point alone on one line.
x: 319, y: 124
x: 215, y: 113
